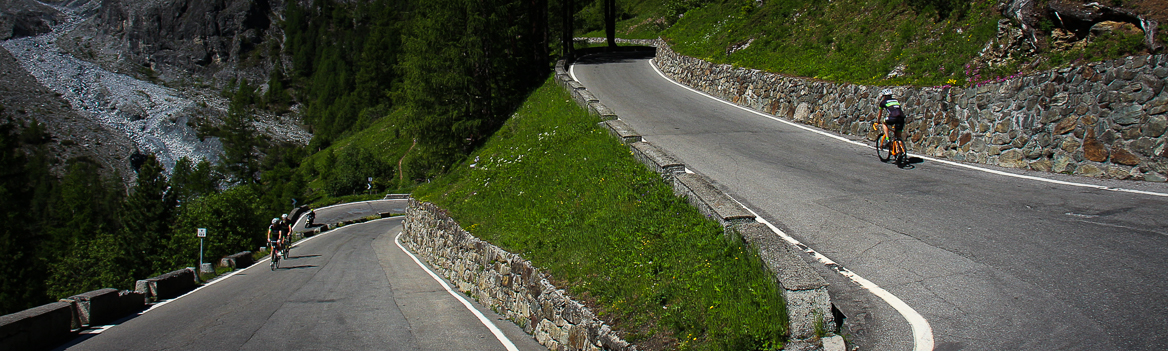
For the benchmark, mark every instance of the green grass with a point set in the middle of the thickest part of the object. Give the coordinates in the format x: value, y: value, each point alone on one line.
x: 857, y: 41
x: 639, y: 19
x: 386, y: 144
x: 555, y: 188
x: 854, y: 41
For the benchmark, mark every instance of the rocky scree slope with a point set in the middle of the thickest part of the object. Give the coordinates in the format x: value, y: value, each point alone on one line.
x: 152, y: 102
x: 74, y: 135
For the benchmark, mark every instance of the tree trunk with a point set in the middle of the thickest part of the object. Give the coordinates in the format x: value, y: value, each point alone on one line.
x: 567, y: 30
x: 610, y: 22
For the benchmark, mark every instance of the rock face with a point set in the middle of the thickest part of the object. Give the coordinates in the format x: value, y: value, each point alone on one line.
x: 173, y: 40
x: 1104, y: 119
x: 26, y: 18
x: 1078, y: 17
x: 138, y: 75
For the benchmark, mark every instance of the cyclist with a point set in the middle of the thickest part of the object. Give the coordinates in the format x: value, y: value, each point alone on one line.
x: 286, y: 230
x: 277, y: 241
x: 895, y: 114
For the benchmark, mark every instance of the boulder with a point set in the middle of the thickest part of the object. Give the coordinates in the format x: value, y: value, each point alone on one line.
x: 1108, y: 27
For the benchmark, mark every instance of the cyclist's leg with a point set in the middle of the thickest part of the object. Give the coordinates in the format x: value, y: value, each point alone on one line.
x: 887, y: 135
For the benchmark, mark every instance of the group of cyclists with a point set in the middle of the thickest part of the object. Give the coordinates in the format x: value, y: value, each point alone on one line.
x: 280, y: 235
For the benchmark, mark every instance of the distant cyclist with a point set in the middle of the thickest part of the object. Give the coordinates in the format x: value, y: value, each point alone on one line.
x: 895, y: 114
x: 275, y: 242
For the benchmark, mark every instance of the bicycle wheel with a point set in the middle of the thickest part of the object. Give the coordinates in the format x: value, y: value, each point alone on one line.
x: 901, y: 153
x: 881, y: 143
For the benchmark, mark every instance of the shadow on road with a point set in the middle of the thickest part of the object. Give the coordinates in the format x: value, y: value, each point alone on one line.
x: 912, y: 161
x: 299, y: 267
x: 304, y: 256
x: 614, y: 57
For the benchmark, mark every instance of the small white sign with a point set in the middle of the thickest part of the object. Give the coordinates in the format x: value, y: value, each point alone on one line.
x: 202, y: 232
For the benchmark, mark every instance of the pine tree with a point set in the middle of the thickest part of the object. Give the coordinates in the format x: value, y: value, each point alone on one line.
x: 79, y: 248
x: 148, y: 217
x: 241, y: 145
x: 20, y: 272
x: 189, y: 180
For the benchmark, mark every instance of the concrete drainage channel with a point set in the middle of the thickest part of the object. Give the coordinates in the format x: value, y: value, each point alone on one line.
x: 53, y: 324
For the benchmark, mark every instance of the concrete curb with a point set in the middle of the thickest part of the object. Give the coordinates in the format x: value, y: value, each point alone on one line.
x: 37, y: 328
x: 808, y: 303
x: 168, y: 285
x: 657, y: 160
x: 237, y: 261
x: 622, y: 131
x: 94, y: 307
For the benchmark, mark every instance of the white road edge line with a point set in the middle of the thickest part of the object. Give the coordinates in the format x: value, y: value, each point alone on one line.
x: 103, y: 328
x: 922, y: 331
x: 487, y: 322
x: 219, y: 279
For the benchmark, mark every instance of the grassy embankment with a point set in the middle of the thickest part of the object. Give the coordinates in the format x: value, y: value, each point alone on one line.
x: 933, y: 42
x: 380, y: 145
x: 555, y: 188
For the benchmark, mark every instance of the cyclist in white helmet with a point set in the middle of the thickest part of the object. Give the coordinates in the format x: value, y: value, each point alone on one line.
x: 895, y: 114
x: 286, y: 231
x: 275, y: 242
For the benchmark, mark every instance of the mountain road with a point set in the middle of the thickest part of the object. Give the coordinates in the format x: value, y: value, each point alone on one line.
x: 991, y: 258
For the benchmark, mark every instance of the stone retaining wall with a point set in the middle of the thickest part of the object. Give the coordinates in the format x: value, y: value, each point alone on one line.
x: 505, y: 282
x: 1105, y: 119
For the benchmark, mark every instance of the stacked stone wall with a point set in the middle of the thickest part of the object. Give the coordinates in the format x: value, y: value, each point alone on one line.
x: 505, y: 282
x: 1105, y: 119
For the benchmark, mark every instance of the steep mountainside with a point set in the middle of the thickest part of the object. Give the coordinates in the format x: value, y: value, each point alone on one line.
x: 75, y: 135
x: 23, y: 18
x: 203, y: 42
x: 150, y: 72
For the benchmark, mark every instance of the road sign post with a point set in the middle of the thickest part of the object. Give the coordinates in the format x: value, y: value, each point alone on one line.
x: 202, y: 233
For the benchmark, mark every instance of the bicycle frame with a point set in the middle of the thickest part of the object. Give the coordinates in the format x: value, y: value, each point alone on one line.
x: 897, y: 150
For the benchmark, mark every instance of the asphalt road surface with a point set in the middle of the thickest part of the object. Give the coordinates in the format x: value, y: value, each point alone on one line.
x: 992, y: 262
x: 351, y: 288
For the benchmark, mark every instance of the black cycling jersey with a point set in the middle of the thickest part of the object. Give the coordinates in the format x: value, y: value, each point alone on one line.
x: 893, y: 107
x: 895, y: 114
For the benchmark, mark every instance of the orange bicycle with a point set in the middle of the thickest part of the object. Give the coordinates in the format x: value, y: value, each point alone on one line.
x: 888, y: 146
